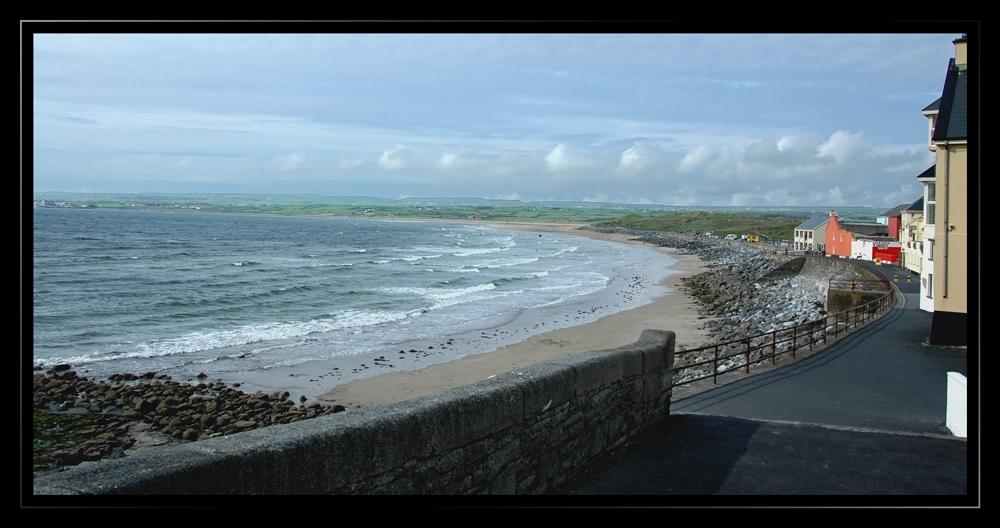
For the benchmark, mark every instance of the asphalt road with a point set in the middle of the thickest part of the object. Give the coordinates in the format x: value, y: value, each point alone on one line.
x: 862, y: 418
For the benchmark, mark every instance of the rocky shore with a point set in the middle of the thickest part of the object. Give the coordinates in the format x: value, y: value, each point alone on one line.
x: 77, y: 420
x: 732, y: 293
x: 738, y: 297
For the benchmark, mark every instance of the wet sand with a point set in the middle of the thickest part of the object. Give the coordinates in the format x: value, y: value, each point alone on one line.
x: 675, y: 311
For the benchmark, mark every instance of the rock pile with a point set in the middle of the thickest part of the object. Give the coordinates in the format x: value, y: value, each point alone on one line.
x: 76, y: 419
x: 735, y: 302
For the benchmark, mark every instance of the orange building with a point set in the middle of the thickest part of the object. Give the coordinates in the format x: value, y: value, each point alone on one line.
x: 840, y: 235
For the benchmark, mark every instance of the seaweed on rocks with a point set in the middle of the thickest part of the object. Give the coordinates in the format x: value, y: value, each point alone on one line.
x: 77, y: 420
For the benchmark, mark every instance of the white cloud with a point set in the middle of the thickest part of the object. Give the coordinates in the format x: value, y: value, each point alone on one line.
x: 640, y: 157
x: 694, y: 159
x: 393, y: 159
x: 293, y: 162
x: 844, y: 146
x: 511, y: 196
x: 787, y: 142
x: 565, y: 158
x: 451, y: 161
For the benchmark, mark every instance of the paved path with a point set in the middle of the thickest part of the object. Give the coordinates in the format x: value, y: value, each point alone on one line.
x: 864, y: 416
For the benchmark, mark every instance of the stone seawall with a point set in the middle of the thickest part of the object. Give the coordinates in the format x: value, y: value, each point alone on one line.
x: 524, y: 432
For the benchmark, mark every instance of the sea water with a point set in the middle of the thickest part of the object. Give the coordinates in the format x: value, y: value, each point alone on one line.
x: 188, y: 292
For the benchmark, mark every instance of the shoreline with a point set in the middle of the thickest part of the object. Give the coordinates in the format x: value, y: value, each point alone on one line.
x: 439, y: 363
x: 674, y: 311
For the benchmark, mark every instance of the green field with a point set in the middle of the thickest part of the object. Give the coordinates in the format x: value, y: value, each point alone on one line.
x: 719, y: 224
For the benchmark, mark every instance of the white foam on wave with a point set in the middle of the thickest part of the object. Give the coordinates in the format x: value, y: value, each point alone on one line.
x: 481, y: 251
x: 438, y: 293
x: 242, y: 335
x: 506, y: 263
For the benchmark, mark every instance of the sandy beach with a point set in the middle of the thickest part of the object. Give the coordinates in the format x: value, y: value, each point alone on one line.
x: 675, y: 311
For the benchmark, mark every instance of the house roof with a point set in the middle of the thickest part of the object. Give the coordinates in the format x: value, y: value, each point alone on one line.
x: 936, y: 105
x: 895, y: 211
x: 917, y: 205
x: 813, y: 222
x: 929, y: 173
x: 952, y: 120
x: 866, y: 229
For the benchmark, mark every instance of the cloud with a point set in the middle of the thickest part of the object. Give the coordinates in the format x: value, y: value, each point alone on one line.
x: 694, y: 159
x: 293, y: 162
x: 640, y: 157
x: 844, y: 146
x: 393, y: 159
x: 905, y: 194
x: 451, y: 161
x: 511, y: 196
x: 565, y: 158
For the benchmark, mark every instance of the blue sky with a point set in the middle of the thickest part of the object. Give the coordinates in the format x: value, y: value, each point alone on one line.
x: 700, y: 119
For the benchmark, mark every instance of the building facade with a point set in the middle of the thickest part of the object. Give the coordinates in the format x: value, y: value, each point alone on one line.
x: 811, y: 234
x: 911, y: 237
x: 944, y: 278
x: 840, y: 237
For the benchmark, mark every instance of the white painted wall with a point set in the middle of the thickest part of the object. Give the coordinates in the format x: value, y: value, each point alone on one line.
x: 958, y: 413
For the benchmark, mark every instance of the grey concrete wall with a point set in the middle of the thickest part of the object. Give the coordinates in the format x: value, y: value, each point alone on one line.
x: 524, y: 432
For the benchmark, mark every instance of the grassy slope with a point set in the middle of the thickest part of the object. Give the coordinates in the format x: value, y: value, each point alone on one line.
x: 721, y: 224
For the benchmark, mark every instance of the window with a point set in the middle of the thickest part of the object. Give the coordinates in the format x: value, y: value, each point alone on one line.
x: 929, y: 203
x: 930, y: 286
x: 930, y: 249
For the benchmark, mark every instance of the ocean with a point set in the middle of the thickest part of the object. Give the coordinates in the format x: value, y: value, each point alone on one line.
x: 189, y: 293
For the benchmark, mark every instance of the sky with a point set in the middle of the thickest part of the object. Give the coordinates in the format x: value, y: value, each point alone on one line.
x: 673, y: 119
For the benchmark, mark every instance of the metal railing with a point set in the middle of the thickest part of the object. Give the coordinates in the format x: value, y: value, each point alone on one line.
x: 755, y: 350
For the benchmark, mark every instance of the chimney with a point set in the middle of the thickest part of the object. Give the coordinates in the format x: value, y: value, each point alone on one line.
x: 961, y: 55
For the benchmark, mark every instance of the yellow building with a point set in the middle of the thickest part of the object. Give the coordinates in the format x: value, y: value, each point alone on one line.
x: 911, y: 236
x: 945, y: 278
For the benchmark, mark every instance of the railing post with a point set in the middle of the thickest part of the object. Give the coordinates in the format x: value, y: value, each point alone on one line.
x: 746, y: 353
x: 715, y: 365
x: 774, y: 346
x: 795, y: 331
x: 812, y: 334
